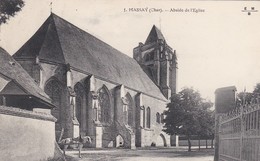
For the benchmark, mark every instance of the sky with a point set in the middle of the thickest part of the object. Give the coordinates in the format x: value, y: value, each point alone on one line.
x: 216, y: 47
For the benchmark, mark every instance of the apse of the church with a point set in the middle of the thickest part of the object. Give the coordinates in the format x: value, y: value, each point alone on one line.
x: 99, y: 91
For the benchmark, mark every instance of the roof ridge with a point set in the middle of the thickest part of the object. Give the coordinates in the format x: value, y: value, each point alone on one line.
x: 85, y: 32
x: 3, y: 49
x: 56, y: 31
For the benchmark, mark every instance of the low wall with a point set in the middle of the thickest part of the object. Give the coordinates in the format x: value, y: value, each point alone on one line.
x: 26, y: 135
x: 196, y: 143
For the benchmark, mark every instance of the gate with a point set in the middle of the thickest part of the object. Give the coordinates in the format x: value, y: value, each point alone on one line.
x: 239, y: 134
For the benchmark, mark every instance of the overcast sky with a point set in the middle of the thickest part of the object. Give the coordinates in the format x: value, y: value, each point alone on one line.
x: 215, y: 48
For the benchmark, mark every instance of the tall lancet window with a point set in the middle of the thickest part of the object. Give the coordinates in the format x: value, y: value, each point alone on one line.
x: 130, y: 113
x: 142, y: 117
x: 54, y: 90
x: 104, y: 102
x: 148, y: 117
x: 125, y: 112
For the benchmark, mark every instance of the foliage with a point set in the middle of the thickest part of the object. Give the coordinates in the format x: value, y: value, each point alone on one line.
x: 248, y: 96
x: 188, y: 114
x: 256, y: 91
x: 206, y: 120
x: 241, y: 96
x: 8, y: 8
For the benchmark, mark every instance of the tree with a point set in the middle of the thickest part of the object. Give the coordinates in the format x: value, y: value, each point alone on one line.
x: 256, y: 91
x: 248, y: 96
x: 8, y: 8
x: 188, y: 114
x: 244, y: 96
x: 206, y: 119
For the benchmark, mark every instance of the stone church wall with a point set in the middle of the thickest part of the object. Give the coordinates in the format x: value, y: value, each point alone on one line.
x: 143, y: 136
x: 151, y: 134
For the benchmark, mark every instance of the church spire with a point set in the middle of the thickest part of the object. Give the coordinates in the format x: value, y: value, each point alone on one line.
x: 154, y: 35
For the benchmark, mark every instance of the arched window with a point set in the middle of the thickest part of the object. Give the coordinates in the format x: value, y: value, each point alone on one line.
x: 148, y: 117
x: 125, y: 113
x: 130, y: 112
x: 104, y: 102
x: 158, y: 119
x: 142, y: 117
x: 79, y: 90
x: 54, y: 90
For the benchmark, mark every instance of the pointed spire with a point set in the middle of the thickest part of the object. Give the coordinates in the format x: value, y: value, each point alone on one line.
x: 173, y: 57
x: 154, y: 35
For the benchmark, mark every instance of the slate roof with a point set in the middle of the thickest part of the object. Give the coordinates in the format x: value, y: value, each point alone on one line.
x: 19, y: 81
x: 154, y: 35
x: 59, y: 41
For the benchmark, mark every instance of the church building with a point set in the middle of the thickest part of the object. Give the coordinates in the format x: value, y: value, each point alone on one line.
x: 98, y: 91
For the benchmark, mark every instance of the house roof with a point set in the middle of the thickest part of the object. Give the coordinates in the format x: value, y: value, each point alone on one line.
x: 154, y: 35
x: 59, y: 41
x: 18, y: 81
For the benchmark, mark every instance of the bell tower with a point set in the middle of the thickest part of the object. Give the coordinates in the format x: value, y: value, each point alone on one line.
x: 159, y: 61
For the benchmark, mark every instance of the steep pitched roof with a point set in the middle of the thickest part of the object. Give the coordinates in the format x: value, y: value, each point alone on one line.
x: 60, y: 41
x: 44, y: 43
x: 154, y: 35
x: 18, y: 81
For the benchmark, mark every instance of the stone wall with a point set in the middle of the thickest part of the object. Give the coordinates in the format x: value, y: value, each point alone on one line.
x: 145, y: 135
x: 26, y: 135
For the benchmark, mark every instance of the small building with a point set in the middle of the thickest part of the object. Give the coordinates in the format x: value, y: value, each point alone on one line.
x: 27, y: 127
x: 225, y: 99
x: 18, y: 89
x: 116, y: 100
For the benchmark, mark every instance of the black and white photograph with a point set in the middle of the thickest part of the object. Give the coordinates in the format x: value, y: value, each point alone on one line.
x: 140, y: 80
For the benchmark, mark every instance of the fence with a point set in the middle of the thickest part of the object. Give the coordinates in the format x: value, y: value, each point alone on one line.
x: 197, y: 141
x: 239, y: 134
